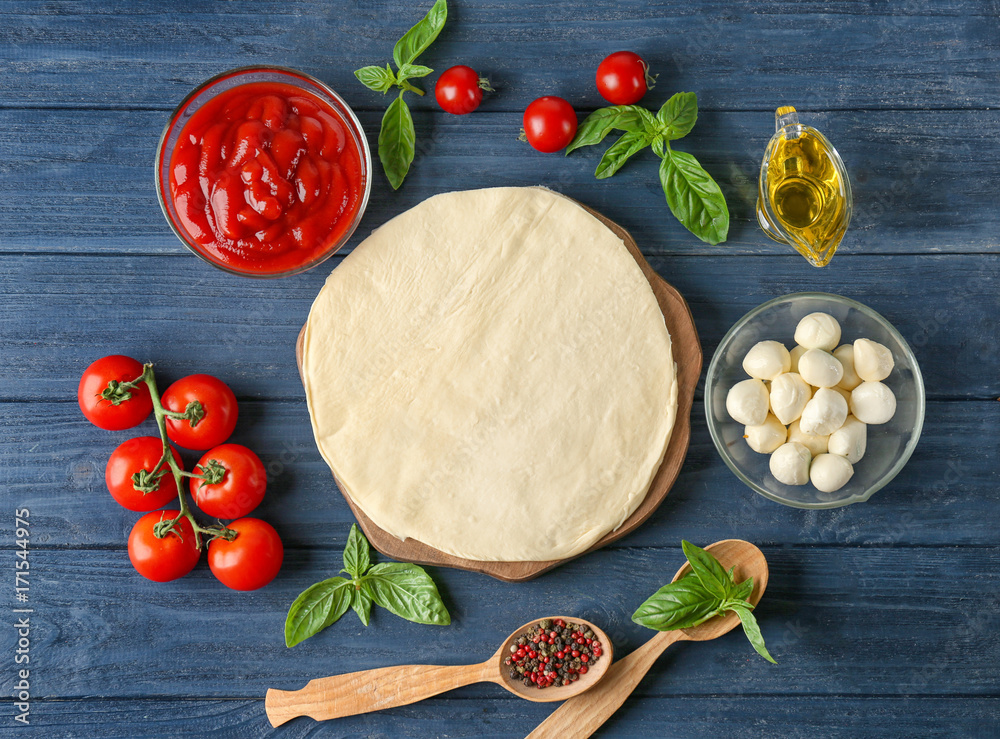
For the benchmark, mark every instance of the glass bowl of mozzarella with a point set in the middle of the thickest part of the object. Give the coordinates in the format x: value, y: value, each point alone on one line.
x: 814, y: 400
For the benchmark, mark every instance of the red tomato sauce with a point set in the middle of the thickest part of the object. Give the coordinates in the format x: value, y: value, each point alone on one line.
x: 265, y: 177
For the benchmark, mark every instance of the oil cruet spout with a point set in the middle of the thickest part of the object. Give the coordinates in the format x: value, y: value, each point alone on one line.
x: 804, y: 194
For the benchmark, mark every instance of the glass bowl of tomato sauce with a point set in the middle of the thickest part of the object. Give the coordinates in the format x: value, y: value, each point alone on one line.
x: 263, y: 171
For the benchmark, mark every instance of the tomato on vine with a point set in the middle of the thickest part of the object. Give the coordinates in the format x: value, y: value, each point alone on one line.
x: 137, y: 478
x: 459, y: 90
x: 234, y: 482
x: 623, y: 78
x: 549, y: 123
x: 107, y: 397
x: 162, y: 559
x: 202, y: 412
x: 251, y: 560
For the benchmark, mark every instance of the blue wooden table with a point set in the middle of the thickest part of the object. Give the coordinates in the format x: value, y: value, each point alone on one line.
x: 883, y: 616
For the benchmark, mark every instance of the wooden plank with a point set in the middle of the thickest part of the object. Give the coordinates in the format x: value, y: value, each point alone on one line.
x: 52, y: 462
x: 840, y: 621
x: 65, y: 311
x: 692, y: 717
x: 840, y: 55
x: 81, y: 181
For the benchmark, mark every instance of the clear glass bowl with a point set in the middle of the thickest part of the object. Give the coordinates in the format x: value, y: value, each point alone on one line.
x: 889, y: 445
x: 226, y: 81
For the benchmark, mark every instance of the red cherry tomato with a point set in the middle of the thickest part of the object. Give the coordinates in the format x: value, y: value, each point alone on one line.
x: 249, y: 561
x: 241, y: 488
x: 166, y: 559
x: 622, y: 78
x: 141, y: 453
x: 218, y: 404
x: 549, y: 123
x: 459, y: 90
x: 101, y: 411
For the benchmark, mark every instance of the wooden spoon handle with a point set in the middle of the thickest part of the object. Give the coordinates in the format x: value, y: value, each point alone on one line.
x: 582, y: 715
x: 371, y: 690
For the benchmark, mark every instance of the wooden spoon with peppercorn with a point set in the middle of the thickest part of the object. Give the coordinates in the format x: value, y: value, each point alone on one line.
x: 548, y: 660
x: 582, y: 716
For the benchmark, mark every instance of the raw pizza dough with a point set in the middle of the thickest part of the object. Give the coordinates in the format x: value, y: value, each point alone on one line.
x: 489, y: 373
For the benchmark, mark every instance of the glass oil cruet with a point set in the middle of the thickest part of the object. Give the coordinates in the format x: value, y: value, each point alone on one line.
x: 804, y: 194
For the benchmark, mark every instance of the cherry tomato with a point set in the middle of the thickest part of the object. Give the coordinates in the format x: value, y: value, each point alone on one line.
x: 549, y: 123
x: 622, y: 78
x: 218, y: 403
x: 101, y: 411
x: 459, y: 90
x: 141, y: 453
x: 166, y: 559
x: 249, y: 561
x: 241, y: 488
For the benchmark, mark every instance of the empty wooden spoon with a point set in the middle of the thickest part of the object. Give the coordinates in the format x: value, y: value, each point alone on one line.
x: 583, y: 715
x: 387, y: 687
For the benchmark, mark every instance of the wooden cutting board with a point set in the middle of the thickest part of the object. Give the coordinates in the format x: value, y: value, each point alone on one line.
x: 687, y: 355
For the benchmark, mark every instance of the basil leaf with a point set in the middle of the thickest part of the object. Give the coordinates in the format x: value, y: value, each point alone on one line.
x: 743, y: 590
x: 362, y: 605
x: 396, y: 141
x: 677, y: 605
x: 603, y: 121
x: 413, y: 71
x: 376, y: 78
x: 709, y: 571
x: 316, y: 608
x: 357, y: 556
x: 408, y: 591
x: 418, y: 38
x: 752, y: 630
x: 678, y: 115
x: 694, y: 197
x: 620, y: 152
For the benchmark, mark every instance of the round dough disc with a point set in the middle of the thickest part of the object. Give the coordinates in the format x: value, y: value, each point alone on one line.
x: 489, y: 373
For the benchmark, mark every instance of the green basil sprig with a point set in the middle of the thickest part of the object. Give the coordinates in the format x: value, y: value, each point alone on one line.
x: 397, y: 137
x: 705, y: 592
x: 693, y: 196
x: 404, y: 589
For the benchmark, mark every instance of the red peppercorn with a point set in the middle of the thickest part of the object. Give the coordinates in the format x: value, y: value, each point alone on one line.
x: 589, y: 641
x: 597, y: 652
x: 534, y: 677
x: 558, y: 665
x: 559, y: 655
x: 583, y: 670
x: 584, y: 658
x: 560, y: 623
x: 575, y: 653
x: 536, y: 639
x: 580, y: 640
x: 532, y: 654
x: 550, y: 640
x: 553, y: 635
x: 596, y: 644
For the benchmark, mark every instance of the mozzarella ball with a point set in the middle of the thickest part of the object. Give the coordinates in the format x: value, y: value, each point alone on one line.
x: 845, y: 354
x: 790, y: 464
x: 873, y: 402
x: 814, y: 443
x: 789, y: 395
x: 766, y: 360
x: 830, y: 472
x: 820, y: 368
x: 818, y: 331
x: 824, y: 414
x: 747, y: 402
x: 850, y: 440
x: 766, y: 437
x: 872, y: 361
x: 796, y: 352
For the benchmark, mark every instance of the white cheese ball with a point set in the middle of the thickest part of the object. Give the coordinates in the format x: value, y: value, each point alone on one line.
x: 814, y: 443
x: 747, y: 402
x: 845, y: 354
x: 850, y: 440
x: 789, y: 395
x: 766, y: 360
x: 825, y: 413
x: 872, y: 361
x: 873, y: 403
x: 830, y: 472
x: 820, y: 368
x: 796, y: 352
x: 766, y: 437
x: 790, y: 463
x: 818, y: 331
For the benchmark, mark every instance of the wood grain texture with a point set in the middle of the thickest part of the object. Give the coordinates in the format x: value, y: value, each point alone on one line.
x: 81, y: 180
x: 688, y: 361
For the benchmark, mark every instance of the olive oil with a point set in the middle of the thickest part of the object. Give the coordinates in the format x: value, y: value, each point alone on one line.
x: 804, y: 194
